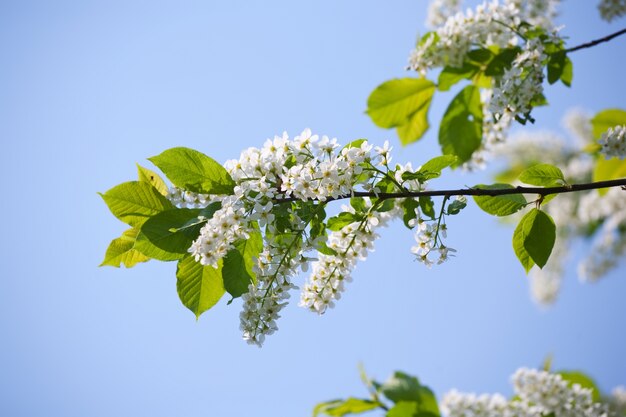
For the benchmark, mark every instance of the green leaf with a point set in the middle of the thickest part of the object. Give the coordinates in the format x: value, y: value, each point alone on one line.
x: 501, y: 62
x: 432, y: 169
x: 568, y: 72
x: 402, y: 103
x: 449, y: 76
x: 355, y: 144
x: 408, y: 208
x: 194, y: 171
x: 401, y: 387
x: 237, y: 271
x: 121, y: 251
x: 135, y: 201
x: 341, y: 220
x: 199, y: 287
x: 544, y: 175
x: 502, y: 205
x: 409, y: 409
x: 152, y: 178
x: 605, y: 119
x: 456, y: 206
x: 427, y: 206
x: 556, y: 66
x: 608, y: 169
x: 585, y: 381
x: 358, y: 204
x: 168, y: 235
x: 534, y: 238
x: 405, y: 388
x: 460, y: 132
x: 338, y: 408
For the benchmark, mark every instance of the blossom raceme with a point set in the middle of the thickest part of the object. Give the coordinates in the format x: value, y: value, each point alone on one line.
x: 280, y: 192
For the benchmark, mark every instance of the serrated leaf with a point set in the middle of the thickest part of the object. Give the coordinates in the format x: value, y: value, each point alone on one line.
x: 534, y: 239
x: 199, y: 287
x: 152, y: 178
x: 608, y: 169
x: 194, y: 171
x: 503, y: 205
x: 338, y: 408
x: 237, y: 272
x: 135, y: 201
x: 355, y: 144
x: 460, y: 131
x: 408, y: 208
x: 501, y: 62
x: 605, y: 119
x: 433, y: 168
x: 556, y: 66
x: 415, y: 127
x: 543, y: 175
x: 449, y: 76
x: 427, y: 206
x: 341, y: 220
x: 402, y: 103
x: 409, y: 409
x: 582, y: 379
x: 121, y: 251
x: 168, y: 235
x: 405, y: 388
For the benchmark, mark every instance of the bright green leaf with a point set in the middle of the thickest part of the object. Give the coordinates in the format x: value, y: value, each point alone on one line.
x: 402, y: 103
x: 432, y: 169
x: 534, y: 239
x: 405, y: 388
x: 449, y: 76
x: 135, y: 201
x: 237, y: 271
x: 168, y: 235
x: 408, y: 208
x: 341, y: 220
x: 460, y: 132
x: 338, y: 408
x: 409, y: 409
x: 199, y: 287
x: 121, y: 251
x: 355, y: 144
x: 427, y: 206
x: 556, y: 66
x: 605, y: 119
x: 544, y: 175
x: 502, y: 205
x: 585, y: 381
x: 567, y: 75
x: 456, y: 206
x: 194, y: 171
x: 609, y: 169
x: 152, y: 178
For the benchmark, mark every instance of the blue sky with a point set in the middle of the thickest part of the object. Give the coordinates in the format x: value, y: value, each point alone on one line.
x: 88, y: 88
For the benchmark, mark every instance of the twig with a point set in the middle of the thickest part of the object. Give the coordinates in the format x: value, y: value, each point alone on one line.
x: 597, y: 41
x: 542, y: 191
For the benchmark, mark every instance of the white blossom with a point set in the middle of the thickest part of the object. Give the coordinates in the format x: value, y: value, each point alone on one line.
x: 613, y: 142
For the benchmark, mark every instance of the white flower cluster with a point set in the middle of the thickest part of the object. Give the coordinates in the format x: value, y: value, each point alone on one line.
x: 538, y: 393
x: 538, y: 12
x: 429, y: 238
x: 187, y: 199
x: 520, y: 84
x: 489, y: 24
x: 281, y: 188
x: 612, y: 9
x: 440, y: 10
x: 613, y: 142
x: 331, y: 272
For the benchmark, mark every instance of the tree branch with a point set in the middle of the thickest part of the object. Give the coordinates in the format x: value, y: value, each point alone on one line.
x: 542, y: 191
x: 597, y: 41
